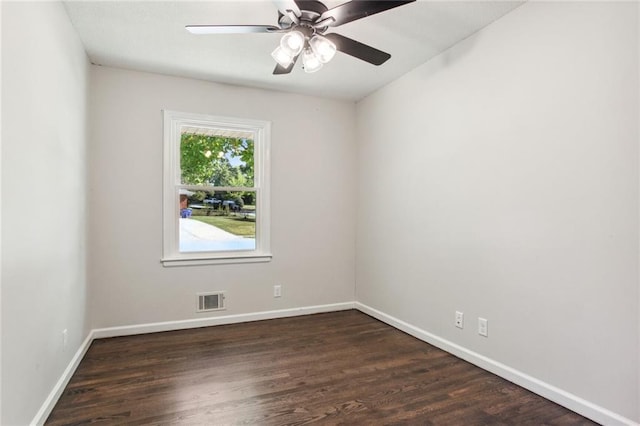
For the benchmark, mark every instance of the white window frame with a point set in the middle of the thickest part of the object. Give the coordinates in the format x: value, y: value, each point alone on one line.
x: 174, y: 121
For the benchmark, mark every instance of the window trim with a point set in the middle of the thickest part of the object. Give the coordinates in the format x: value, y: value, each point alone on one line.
x: 173, y: 121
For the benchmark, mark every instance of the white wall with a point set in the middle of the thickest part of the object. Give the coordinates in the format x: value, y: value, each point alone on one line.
x: 0, y: 213
x: 44, y: 85
x: 501, y: 179
x: 313, y: 209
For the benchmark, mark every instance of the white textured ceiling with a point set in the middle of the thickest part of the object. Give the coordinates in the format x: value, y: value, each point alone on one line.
x: 150, y: 36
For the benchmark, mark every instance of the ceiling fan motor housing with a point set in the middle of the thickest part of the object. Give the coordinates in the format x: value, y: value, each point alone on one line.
x: 307, y: 23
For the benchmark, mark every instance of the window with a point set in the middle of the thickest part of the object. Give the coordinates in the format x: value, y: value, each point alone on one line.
x: 216, y: 189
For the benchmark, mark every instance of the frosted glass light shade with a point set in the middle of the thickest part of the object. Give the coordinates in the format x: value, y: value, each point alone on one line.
x: 292, y: 42
x: 310, y: 61
x: 282, y: 56
x: 323, y: 48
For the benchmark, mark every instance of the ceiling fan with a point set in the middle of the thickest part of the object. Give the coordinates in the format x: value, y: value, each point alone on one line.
x: 304, y: 24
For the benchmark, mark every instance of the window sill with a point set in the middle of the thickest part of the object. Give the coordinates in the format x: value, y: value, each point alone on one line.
x: 195, y: 261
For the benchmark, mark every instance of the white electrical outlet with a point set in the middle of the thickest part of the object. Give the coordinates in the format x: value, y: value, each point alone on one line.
x: 65, y: 338
x: 483, y: 327
x: 459, y: 319
x: 277, y: 291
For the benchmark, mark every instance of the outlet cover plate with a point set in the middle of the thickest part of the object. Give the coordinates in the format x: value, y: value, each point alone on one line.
x: 483, y: 327
x: 459, y: 319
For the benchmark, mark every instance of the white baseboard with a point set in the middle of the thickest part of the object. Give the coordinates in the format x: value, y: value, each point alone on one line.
x: 550, y: 392
x: 559, y: 396
x: 46, y: 408
x: 128, y: 330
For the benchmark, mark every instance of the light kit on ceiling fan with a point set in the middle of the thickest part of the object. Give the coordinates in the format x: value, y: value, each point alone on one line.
x: 310, y: 62
x: 282, y: 57
x: 318, y: 50
x: 304, y: 24
x: 323, y: 48
x: 293, y: 42
x: 290, y: 46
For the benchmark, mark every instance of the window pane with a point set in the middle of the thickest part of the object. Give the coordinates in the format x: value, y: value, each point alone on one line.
x: 216, y: 157
x: 217, y: 220
x: 224, y: 164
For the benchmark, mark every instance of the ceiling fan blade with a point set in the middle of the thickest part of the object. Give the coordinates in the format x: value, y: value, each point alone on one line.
x: 279, y: 69
x: 312, y: 5
x: 358, y: 9
x: 358, y: 50
x: 231, y: 29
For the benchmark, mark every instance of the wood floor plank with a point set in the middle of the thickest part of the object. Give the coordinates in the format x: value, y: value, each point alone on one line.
x: 336, y: 368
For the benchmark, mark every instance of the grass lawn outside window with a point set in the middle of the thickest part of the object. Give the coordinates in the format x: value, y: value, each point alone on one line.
x: 239, y: 224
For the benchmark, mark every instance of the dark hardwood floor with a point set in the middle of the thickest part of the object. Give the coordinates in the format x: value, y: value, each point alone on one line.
x: 335, y: 368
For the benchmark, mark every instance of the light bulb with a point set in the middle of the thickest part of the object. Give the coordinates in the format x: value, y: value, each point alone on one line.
x: 310, y: 61
x: 323, y: 48
x: 292, y: 42
x: 282, y: 57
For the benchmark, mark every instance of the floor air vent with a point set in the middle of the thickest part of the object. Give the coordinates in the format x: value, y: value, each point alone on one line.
x: 210, y: 302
